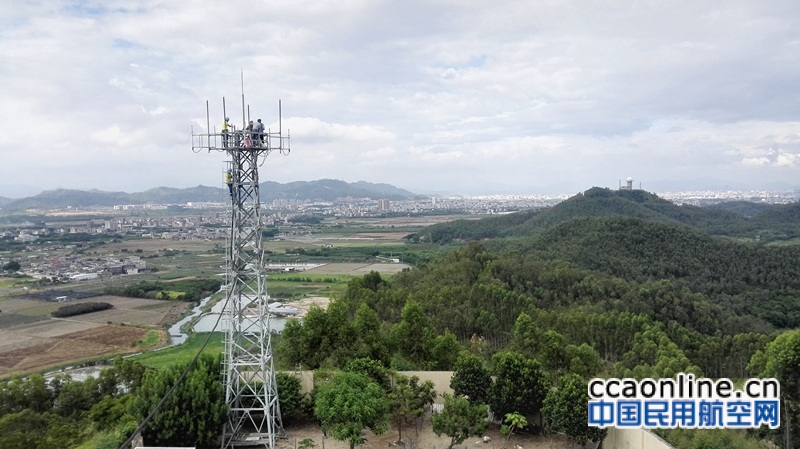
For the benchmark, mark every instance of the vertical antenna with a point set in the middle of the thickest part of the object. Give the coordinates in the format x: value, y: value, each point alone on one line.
x: 208, y: 119
x: 244, y: 123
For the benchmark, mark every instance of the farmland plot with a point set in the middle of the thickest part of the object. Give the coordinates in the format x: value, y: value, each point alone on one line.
x: 31, y: 340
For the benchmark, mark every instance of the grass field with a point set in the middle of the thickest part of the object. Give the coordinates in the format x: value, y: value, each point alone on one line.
x: 8, y: 282
x: 181, y: 353
x: 40, y: 309
x: 302, y: 284
x: 357, y: 269
x: 785, y: 242
x: 16, y: 319
x: 149, y: 340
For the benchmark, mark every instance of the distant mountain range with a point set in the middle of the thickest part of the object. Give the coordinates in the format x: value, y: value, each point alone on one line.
x: 320, y: 190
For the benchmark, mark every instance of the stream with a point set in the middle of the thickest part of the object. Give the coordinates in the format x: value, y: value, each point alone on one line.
x: 208, y: 320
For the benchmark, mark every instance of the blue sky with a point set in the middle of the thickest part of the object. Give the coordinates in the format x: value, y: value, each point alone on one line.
x: 432, y: 96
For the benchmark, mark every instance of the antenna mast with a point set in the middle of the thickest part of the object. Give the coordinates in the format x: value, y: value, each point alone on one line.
x: 251, y: 392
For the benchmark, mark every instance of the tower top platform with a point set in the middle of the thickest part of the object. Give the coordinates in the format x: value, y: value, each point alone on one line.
x: 232, y: 140
x: 241, y: 140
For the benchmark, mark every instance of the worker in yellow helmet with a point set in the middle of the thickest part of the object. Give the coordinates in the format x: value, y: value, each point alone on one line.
x: 226, y: 125
x: 229, y: 181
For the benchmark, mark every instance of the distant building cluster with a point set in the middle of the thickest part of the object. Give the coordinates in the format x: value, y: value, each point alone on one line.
x: 707, y: 198
x: 74, y: 267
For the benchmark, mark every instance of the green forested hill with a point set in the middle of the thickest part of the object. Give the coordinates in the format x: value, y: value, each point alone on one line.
x: 761, y: 222
x: 639, y: 250
x: 783, y: 218
x: 746, y: 279
x: 743, y: 208
x: 639, y: 238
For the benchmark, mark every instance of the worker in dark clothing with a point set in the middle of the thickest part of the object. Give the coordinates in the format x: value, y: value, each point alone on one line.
x: 260, y: 130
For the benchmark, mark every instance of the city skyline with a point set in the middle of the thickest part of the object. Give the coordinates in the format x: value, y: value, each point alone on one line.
x: 431, y: 97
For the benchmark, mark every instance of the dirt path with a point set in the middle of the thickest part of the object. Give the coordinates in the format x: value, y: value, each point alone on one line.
x: 306, y: 303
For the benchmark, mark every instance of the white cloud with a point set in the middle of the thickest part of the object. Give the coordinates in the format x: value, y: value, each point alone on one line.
x: 432, y: 95
x: 755, y: 161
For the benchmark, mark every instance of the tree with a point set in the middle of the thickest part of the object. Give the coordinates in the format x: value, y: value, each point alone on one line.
x: 370, y: 339
x: 414, y: 336
x: 341, y: 335
x: 348, y: 403
x: 459, y: 419
x: 110, y: 412
x: 566, y: 410
x: 782, y: 362
x: 445, y: 351
x: 129, y: 373
x: 12, y: 266
x: 289, y: 396
x: 526, y: 336
x: 654, y: 355
x: 553, y: 354
x: 584, y: 360
x: 520, y: 385
x: 471, y: 378
x: 19, y: 394
x: 77, y: 398
x: 195, y: 412
x: 373, y: 369
x: 408, y: 399
x: 322, y: 337
x: 28, y: 429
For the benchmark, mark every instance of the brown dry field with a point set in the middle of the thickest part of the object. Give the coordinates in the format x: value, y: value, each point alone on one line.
x: 425, y: 439
x: 53, y: 342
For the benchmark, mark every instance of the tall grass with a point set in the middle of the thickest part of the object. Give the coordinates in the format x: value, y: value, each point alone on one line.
x: 182, y: 353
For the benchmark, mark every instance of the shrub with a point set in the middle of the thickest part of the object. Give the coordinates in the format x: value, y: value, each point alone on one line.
x: 80, y: 309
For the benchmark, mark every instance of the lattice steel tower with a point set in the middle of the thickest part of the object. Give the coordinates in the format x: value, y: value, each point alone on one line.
x: 254, y: 417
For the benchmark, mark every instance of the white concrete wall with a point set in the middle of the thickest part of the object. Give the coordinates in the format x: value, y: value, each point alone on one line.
x: 440, y: 379
x: 633, y: 439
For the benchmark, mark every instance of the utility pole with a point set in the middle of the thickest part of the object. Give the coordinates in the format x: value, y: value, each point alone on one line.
x: 251, y: 392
